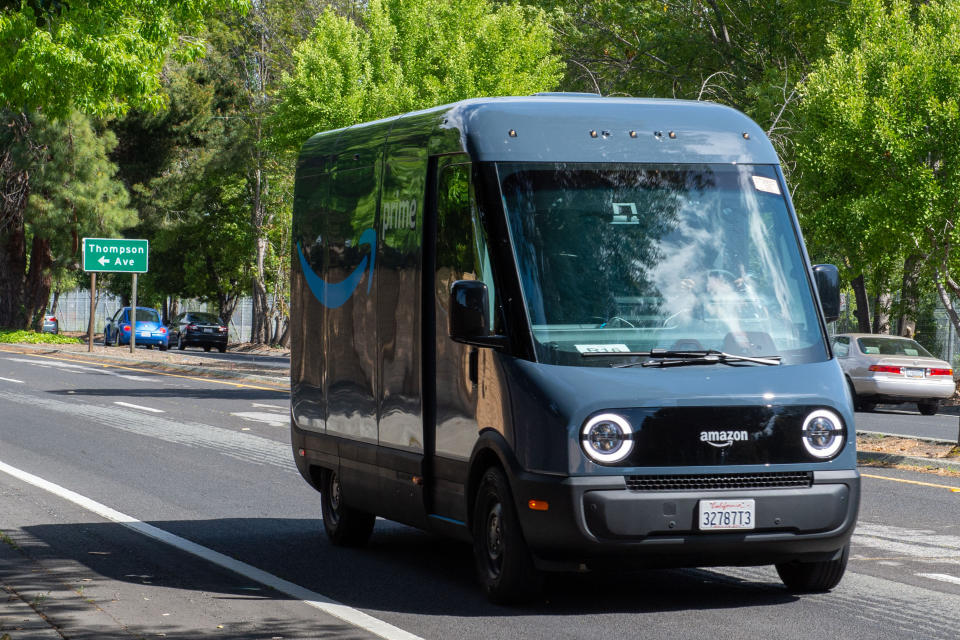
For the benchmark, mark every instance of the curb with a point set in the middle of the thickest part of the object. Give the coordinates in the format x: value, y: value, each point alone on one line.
x: 208, y: 370
x: 925, y: 463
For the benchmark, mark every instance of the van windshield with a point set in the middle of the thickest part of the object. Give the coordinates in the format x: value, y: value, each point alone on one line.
x: 617, y: 258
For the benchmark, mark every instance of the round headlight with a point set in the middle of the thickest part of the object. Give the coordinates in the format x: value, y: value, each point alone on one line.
x: 607, y: 438
x: 823, y: 434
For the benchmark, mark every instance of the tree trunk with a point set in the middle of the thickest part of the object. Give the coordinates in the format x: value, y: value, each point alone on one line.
x: 881, y: 313
x: 15, y: 185
x: 948, y: 305
x: 906, y: 318
x: 862, y: 312
x: 38, y: 282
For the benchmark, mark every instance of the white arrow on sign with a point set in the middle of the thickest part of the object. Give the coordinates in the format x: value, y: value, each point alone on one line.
x: 103, y: 260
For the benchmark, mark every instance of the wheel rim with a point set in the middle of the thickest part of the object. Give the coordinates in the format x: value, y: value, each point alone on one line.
x: 334, y: 497
x: 494, y: 539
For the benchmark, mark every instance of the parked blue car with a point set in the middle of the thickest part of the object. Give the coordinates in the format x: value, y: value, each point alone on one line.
x: 150, y: 330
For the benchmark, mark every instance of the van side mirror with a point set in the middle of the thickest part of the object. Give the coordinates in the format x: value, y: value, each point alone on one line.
x: 469, y: 319
x: 827, y: 279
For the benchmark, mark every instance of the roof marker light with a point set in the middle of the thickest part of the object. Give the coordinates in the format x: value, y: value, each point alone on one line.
x: 746, y: 136
x: 672, y: 134
x: 593, y: 133
x: 633, y: 134
x: 512, y: 133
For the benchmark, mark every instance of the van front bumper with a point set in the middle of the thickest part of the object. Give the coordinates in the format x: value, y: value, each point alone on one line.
x: 593, y: 520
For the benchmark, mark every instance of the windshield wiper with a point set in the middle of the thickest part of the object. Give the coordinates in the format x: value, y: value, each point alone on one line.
x: 680, y: 357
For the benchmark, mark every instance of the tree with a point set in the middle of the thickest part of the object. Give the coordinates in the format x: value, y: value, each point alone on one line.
x: 401, y: 55
x: 74, y: 193
x: 97, y: 56
x: 880, y: 151
x: 748, y: 54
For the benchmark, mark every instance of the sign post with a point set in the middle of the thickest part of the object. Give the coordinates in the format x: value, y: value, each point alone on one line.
x: 115, y: 255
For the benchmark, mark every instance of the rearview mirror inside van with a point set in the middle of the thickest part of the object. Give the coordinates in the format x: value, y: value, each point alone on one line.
x: 469, y: 320
x: 828, y: 286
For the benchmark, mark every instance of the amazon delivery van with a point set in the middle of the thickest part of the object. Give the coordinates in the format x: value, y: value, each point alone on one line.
x: 580, y: 332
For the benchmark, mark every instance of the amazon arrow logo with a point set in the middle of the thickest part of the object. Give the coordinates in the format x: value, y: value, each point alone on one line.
x: 334, y: 295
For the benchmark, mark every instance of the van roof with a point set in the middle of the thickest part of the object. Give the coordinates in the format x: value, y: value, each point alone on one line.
x: 557, y: 127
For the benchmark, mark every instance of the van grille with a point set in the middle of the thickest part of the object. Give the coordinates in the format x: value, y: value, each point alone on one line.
x: 721, y: 481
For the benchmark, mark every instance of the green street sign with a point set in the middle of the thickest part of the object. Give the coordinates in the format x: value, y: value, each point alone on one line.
x: 115, y: 254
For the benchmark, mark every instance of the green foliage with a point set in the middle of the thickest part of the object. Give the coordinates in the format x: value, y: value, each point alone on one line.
x: 880, y: 150
x: 74, y: 190
x: 32, y: 337
x: 97, y: 56
x: 749, y: 54
x: 403, y: 55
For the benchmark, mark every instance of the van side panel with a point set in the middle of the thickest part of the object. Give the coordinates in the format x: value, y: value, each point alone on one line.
x: 310, y: 202
x: 350, y: 301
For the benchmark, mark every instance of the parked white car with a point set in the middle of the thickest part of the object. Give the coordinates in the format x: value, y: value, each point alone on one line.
x: 892, y: 370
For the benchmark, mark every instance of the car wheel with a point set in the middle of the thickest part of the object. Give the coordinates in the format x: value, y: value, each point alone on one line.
x: 866, y: 407
x: 813, y: 577
x: 180, y: 344
x: 222, y: 349
x: 929, y: 408
x: 163, y: 347
x: 106, y: 338
x: 206, y: 348
x: 345, y: 526
x: 503, y: 562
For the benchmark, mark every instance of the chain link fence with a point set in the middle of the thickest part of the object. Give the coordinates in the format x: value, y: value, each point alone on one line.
x: 73, y: 312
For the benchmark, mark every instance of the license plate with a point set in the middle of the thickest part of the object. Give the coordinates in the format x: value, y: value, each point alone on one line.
x: 208, y: 330
x: 143, y: 334
x: 913, y: 373
x: 726, y: 515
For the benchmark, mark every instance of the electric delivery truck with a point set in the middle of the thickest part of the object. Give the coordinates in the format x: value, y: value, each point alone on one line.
x: 581, y: 333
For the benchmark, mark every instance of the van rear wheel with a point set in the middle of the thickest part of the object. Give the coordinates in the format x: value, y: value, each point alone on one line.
x: 345, y: 526
x: 814, y: 577
x: 503, y: 562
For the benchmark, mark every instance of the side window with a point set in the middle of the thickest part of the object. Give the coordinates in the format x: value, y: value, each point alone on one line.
x: 461, y: 245
x: 841, y: 347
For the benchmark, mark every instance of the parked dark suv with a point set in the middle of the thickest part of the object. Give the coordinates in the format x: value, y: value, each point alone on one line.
x: 198, y: 329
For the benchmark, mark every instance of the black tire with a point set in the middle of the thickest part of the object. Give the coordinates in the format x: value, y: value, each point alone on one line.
x: 866, y: 407
x: 180, y: 344
x: 222, y: 349
x: 929, y: 408
x: 345, y: 526
x: 206, y: 348
x: 163, y: 347
x: 106, y: 342
x: 814, y: 577
x: 503, y: 563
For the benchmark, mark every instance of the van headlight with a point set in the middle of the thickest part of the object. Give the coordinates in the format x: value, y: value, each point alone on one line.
x: 607, y: 438
x: 823, y: 434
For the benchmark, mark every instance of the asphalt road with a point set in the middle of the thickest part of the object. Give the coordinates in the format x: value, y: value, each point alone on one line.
x: 906, y: 420
x: 175, y: 511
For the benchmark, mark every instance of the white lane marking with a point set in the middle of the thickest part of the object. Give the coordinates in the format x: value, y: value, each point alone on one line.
x: 317, y: 600
x: 913, y: 543
x: 137, y: 406
x: 273, y: 419
x: 241, y: 446
x: 942, y: 577
x: 78, y: 367
x: 12, y: 380
x: 269, y: 406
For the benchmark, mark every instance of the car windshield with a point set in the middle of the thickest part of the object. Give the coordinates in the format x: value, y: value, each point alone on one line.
x: 146, y: 315
x: 628, y: 258
x: 892, y: 347
x: 204, y: 318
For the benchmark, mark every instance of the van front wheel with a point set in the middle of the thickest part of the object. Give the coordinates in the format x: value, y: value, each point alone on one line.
x: 345, y: 526
x: 503, y: 562
x: 814, y: 577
